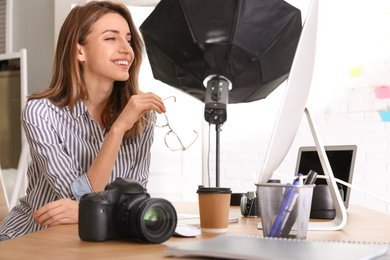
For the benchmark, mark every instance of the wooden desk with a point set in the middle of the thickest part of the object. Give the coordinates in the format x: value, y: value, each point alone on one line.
x: 63, y: 242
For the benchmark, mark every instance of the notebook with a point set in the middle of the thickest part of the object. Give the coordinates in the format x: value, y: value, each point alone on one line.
x: 251, y: 247
x: 3, y: 199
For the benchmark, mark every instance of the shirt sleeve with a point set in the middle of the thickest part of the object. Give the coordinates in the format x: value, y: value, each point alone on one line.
x: 49, y: 157
x: 81, y: 186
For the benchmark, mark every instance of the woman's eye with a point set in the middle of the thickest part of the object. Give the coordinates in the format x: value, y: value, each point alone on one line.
x: 110, y: 39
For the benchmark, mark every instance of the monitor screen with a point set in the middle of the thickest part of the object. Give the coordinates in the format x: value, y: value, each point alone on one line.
x: 294, y: 100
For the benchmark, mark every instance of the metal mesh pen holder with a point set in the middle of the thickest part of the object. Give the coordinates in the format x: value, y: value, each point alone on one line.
x: 284, y: 209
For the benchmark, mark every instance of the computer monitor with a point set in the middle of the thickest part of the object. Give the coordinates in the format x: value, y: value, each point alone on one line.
x: 290, y: 114
x: 341, y: 159
x: 295, y: 97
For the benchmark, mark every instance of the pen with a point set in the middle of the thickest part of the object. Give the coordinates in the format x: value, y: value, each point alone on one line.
x: 279, y: 216
x: 300, y: 179
x: 277, y: 225
x: 291, y: 205
x: 310, y: 179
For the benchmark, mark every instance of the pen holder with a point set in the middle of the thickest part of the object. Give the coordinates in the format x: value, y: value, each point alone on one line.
x: 284, y: 209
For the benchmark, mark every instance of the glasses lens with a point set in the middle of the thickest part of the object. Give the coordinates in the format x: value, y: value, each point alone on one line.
x: 173, y: 141
x: 161, y: 120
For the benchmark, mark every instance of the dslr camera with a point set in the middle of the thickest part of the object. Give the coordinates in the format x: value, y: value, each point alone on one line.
x: 125, y: 211
x: 249, y: 206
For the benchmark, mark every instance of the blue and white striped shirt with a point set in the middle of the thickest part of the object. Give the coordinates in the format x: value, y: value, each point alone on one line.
x: 62, y: 150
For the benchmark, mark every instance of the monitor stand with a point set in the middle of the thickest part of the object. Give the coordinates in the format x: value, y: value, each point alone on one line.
x: 341, y: 215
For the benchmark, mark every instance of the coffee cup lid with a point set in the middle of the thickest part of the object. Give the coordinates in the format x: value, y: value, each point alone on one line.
x: 213, y: 190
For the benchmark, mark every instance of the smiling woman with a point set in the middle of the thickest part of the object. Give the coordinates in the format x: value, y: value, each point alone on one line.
x: 92, y: 125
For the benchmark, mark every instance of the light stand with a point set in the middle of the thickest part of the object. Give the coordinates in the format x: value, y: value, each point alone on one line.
x: 216, y: 100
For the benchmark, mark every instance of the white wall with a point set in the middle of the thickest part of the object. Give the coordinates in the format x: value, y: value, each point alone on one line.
x: 356, y: 33
x: 33, y: 28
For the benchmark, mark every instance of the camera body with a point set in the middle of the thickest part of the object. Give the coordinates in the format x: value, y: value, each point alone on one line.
x: 125, y: 211
x: 249, y: 205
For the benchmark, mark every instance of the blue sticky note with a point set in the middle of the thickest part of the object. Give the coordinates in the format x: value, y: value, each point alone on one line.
x: 385, y: 115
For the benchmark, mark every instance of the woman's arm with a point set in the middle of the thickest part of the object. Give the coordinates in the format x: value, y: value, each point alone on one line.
x: 100, y: 170
x: 52, y: 170
x: 65, y: 211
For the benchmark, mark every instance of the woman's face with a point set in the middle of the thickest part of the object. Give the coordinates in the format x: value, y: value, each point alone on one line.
x: 107, y: 54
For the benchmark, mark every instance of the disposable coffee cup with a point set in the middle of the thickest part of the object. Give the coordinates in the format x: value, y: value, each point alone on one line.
x: 214, y: 205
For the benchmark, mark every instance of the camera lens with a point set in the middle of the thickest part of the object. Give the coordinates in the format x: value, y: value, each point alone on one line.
x: 148, y: 219
x: 155, y: 219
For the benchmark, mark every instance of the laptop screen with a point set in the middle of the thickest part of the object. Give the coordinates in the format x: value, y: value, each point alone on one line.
x: 341, y: 160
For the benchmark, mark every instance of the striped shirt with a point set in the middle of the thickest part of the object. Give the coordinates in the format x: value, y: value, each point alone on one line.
x: 62, y: 150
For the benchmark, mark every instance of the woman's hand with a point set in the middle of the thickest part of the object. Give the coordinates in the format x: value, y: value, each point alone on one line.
x: 63, y: 211
x: 136, y: 107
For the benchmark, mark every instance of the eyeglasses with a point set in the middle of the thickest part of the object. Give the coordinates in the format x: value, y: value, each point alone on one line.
x: 171, y: 139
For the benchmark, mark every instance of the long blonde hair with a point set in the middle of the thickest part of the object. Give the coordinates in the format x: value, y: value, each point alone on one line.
x: 67, y: 86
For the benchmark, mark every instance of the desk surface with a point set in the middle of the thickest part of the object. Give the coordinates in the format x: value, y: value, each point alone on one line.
x: 63, y: 242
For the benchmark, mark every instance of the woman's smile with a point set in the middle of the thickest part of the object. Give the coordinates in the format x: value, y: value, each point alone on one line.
x: 123, y: 63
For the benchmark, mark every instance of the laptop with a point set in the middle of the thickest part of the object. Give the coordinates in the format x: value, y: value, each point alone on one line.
x: 341, y: 160
x: 4, y: 207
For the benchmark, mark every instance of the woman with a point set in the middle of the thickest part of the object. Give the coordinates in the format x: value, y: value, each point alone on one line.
x: 91, y: 125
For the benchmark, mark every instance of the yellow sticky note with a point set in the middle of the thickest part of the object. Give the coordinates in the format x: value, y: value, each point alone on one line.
x: 355, y: 71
